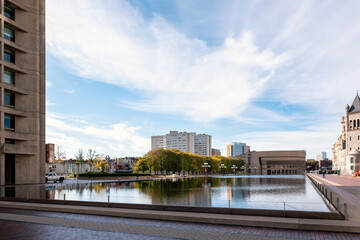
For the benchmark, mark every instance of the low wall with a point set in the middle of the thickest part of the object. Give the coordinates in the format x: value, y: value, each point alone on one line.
x: 333, y: 198
x: 216, y: 210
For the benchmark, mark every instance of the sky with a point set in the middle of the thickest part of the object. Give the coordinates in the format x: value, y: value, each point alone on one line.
x: 276, y: 75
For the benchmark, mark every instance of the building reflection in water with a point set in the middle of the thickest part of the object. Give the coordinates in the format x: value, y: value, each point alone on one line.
x: 242, y: 191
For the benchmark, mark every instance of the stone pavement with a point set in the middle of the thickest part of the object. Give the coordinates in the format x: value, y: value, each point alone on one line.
x: 28, y: 224
x: 349, y: 190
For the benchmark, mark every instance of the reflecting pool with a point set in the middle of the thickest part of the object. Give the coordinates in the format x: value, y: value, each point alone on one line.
x: 260, y: 192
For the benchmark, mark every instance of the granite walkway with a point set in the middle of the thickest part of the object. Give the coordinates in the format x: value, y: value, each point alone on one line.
x: 28, y: 224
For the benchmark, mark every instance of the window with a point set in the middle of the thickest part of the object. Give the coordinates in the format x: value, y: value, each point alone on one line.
x: 9, y: 141
x: 9, y: 98
x: 352, y: 167
x: 350, y: 138
x: 9, y: 13
x: 9, y: 55
x: 9, y: 34
x: 9, y: 77
x: 352, y: 160
x: 9, y: 122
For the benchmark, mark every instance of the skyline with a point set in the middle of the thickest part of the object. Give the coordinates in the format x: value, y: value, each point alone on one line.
x: 275, y: 76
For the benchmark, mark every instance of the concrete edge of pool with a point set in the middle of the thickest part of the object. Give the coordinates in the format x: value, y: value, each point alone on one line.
x: 195, y: 217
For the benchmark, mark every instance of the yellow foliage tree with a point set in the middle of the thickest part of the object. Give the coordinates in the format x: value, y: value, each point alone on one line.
x: 100, y: 163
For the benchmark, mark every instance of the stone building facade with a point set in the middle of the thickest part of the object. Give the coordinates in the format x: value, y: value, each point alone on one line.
x: 277, y: 162
x: 22, y: 92
x: 346, y: 150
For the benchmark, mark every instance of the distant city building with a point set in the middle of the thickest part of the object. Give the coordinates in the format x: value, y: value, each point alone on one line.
x: 346, y: 155
x: 184, y: 141
x: 215, y: 152
x: 237, y: 149
x: 325, y: 163
x: 277, y: 162
x: 50, y: 152
x: 321, y: 156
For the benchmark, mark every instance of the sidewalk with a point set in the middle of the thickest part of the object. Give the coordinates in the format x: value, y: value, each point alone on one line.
x: 349, y: 190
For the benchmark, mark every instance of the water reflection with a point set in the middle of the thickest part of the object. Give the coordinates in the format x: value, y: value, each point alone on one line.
x: 264, y: 192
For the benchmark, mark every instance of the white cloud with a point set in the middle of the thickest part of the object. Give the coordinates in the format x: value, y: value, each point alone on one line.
x: 174, y: 73
x: 117, y: 140
x: 49, y: 103
x: 49, y: 84
x: 69, y: 91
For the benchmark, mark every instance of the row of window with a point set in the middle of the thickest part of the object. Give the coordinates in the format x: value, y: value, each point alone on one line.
x: 354, y: 124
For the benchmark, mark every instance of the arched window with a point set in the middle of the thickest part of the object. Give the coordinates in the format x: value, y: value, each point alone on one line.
x: 351, y: 123
x: 350, y: 138
x: 352, y: 160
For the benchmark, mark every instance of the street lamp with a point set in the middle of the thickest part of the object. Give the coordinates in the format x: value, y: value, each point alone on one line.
x: 234, y: 167
x: 206, y: 166
x: 222, y: 167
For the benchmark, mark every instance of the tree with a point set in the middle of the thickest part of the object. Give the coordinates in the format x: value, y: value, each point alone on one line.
x: 79, y: 156
x: 141, y: 165
x: 101, y: 163
x: 91, y: 155
x: 60, y: 155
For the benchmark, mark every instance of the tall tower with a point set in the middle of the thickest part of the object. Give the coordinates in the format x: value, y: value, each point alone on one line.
x: 22, y: 95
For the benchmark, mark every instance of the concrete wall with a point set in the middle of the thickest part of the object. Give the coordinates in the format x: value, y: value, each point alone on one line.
x: 29, y: 110
x: 278, y: 162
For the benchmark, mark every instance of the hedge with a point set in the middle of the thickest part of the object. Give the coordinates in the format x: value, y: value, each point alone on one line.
x: 105, y: 174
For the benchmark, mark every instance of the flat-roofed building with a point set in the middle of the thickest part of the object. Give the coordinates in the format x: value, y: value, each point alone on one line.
x: 277, y: 162
x: 22, y: 105
x: 188, y: 142
x: 215, y: 152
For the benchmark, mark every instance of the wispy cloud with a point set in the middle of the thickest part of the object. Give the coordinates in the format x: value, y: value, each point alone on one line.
x: 172, y: 72
x: 69, y: 91
x: 48, y: 103
x: 118, y: 139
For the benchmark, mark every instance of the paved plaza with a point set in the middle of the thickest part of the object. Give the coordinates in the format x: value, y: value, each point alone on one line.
x: 28, y: 224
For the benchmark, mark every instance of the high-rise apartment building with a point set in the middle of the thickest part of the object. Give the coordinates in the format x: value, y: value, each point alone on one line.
x: 321, y: 156
x: 22, y: 104
x: 184, y: 141
x: 236, y: 149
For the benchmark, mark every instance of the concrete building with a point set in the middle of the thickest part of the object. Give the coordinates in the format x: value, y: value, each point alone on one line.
x: 321, y: 156
x: 50, y: 152
x: 277, y: 162
x: 203, y: 145
x: 346, y: 154
x: 183, y: 141
x: 22, y: 82
x: 215, y: 152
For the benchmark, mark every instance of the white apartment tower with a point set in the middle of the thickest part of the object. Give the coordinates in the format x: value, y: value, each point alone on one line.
x: 183, y: 141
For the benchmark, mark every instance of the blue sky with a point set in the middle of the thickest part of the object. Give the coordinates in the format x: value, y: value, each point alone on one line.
x: 274, y: 74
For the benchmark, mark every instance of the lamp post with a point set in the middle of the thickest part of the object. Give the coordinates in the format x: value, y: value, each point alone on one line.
x: 234, y: 167
x: 243, y: 168
x: 206, y: 166
x: 222, y: 167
